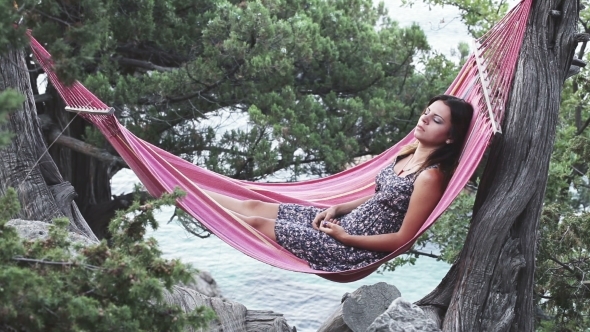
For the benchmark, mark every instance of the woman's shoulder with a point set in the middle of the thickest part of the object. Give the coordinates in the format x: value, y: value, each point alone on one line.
x: 431, y: 176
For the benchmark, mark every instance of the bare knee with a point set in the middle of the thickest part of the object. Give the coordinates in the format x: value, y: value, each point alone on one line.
x: 264, y: 225
x: 253, y: 207
x: 253, y: 204
x: 256, y: 222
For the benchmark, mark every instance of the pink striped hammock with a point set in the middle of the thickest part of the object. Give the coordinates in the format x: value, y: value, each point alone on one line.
x: 484, y: 80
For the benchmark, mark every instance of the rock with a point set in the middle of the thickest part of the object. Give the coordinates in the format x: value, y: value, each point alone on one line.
x: 267, y: 321
x: 359, y: 309
x: 434, y: 313
x: 205, y: 284
x: 33, y: 230
x: 403, y: 316
x: 231, y: 316
x: 335, y: 323
x: 367, y: 303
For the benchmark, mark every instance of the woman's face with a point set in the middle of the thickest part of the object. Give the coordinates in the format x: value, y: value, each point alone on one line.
x: 434, y: 125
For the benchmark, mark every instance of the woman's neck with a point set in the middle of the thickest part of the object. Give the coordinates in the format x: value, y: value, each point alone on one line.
x: 422, y: 152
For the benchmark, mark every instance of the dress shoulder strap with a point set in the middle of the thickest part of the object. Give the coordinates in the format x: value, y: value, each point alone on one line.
x: 414, y: 175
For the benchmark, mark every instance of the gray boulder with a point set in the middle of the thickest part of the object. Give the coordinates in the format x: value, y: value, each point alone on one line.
x: 403, y: 316
x: 335, y: 323
x: 231, y: 316
x: 359, y: 309
x: 33, y: 230
x: 205, y: 284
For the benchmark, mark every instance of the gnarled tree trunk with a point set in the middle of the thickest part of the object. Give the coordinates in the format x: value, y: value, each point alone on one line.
x: 88, y: 168
x: 89, y: 175
x: 25, y: 165
x: 490, y: 287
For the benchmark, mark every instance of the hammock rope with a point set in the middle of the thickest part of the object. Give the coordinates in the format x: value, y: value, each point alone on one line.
x: 162, y: 172
x: 32, y: 168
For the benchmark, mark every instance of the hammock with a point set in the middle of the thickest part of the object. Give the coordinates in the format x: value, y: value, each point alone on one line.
x: 484, y: 80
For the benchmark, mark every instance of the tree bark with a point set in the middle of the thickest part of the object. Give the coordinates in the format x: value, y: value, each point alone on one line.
x: 25, y: 165
x: 490, y: 287
x: 89, y: 175
x: 88, y: 168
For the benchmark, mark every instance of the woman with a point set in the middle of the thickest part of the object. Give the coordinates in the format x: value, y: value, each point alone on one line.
x: 357, y: 233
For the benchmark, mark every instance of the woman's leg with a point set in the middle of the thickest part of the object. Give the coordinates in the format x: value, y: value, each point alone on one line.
x: 265, y: 226
x: 247, y: 208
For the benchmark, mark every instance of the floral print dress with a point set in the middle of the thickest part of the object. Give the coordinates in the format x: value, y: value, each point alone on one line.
x: 383, y: 213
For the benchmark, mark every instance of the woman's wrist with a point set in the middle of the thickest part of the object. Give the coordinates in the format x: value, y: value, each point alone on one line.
x: 344, y: 238
x: 336, y: 210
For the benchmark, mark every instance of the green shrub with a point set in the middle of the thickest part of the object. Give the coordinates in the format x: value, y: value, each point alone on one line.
x: 55, y: 285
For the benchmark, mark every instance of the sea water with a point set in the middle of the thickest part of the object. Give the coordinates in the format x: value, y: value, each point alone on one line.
x: 305, y: 300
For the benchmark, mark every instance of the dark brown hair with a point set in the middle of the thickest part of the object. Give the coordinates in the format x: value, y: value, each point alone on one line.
x: 447, y: 155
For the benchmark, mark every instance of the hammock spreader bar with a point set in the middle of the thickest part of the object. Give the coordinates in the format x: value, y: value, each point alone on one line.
x: 485, y: 86
x: 161, y: 172
x: 88, y: 110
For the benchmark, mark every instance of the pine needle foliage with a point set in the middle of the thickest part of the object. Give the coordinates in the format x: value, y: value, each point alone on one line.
x: 316, y: 83
x: 53, y: 284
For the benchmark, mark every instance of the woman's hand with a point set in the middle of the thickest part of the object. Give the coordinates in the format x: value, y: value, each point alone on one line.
x: 337, y: 210
x: 332, y: 228
x: 326, y: 215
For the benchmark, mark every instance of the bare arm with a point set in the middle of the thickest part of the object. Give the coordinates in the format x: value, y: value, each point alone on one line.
x: 349, y: 206
x: 338, y: 210
x: 427, y: 192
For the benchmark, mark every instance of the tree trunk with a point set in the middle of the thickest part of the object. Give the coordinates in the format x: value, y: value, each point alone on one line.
x: 490, y: 287
x: 89, y: 176
x: 25, y: 165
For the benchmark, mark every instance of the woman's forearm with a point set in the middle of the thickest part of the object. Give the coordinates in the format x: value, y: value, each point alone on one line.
x: 349, y: 206
x: 382, y: 242
x: 427, y: 192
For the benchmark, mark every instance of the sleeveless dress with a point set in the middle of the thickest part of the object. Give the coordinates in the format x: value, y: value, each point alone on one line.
x: 383, y: 213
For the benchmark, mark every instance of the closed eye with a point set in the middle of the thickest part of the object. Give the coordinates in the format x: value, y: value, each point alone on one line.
x: 436, y: 118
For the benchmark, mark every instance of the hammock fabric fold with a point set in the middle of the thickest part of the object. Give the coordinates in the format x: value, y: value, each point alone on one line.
x: 484, y: 80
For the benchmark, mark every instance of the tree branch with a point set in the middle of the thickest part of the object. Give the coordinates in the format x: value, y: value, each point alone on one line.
x: 572, y: 271
x: 144, y: 51
x: 85, y: 148
x: 191, y: 225
x: 421, y: 253
x: 142, y: 64
x: 250, y: 159
x: 52, y: 18
x: 43, y: 98
x: 207, y: 87
x: 581, y: 130
x: 345, y: 92
x: 40, y: 261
